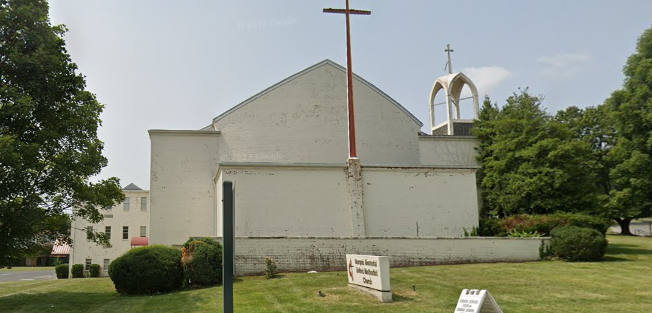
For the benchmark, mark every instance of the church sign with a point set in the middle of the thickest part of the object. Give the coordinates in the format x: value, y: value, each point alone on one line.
x: 477, y: 301
x: 370, y: 274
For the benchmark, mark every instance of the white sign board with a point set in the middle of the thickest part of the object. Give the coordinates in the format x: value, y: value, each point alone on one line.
x: 477, y: 301
x: 368, y: 271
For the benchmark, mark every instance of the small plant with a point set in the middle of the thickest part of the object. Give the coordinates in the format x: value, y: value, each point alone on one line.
x: 77, y: 271
x: 270, y: 267
x: 62, y: 271
x: 94, y: 270
x: 523, y: 234
x: 574, y: 243
x: 472, y: 233
x: 545, y: 253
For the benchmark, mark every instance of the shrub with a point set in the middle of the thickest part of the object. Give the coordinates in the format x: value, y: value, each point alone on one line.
x: 574, y: 243
x: 94, y: 270
x: 490, y: 227
x: 541, y: 224
x: 270, y: 267
x: 147, y: 270
x: 77, y: 271
x: 62, y: 271
x: 202, y: 261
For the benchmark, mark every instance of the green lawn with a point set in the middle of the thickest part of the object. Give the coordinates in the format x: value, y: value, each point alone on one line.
x: 620, y: 284
x: 26, y: 268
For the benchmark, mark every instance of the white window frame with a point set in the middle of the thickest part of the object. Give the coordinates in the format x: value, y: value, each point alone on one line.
x: 143, y: 203
x: 125, y: 204
x: 143, y: 231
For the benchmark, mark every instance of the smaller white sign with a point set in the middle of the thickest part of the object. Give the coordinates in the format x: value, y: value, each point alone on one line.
x: 368, y: 271
x: 477, y: 301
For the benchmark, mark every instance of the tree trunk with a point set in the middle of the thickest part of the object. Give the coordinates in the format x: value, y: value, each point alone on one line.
x: 624, y: 226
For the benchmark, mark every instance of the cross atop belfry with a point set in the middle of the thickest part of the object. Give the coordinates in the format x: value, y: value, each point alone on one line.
x: 450, y: 65
x: 349, y: 73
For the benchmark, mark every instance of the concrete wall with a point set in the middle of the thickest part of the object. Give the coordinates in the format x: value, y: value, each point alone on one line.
x: 442, y: 201
x: 116, y: 217
x: 328, y: 254
x: 288, y: 200
x: 182, y: 185
x: 304, y: 120
x: 448, y: 150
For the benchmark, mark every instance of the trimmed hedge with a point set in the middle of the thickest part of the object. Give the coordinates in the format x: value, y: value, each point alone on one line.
x: 574, y: 243
x: 77, y: 271
x: 62, y: 271
x: 147, y: 270
x: 542, y: 224
x: 202, y: 262
x: 94, y: 270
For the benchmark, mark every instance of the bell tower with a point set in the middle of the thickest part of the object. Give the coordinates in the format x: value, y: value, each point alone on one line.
x: 452, y: 85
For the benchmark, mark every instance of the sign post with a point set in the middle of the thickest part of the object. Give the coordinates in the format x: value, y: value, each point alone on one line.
x: 228, y: 244
x: 370, y: 274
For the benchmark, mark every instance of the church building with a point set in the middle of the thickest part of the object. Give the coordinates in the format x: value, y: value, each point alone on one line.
x: 297, y: 193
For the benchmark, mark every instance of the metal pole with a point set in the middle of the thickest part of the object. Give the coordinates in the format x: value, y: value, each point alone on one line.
x: 227, y: 246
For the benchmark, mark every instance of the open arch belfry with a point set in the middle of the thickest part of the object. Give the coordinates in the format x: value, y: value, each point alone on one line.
x: 452, y: 85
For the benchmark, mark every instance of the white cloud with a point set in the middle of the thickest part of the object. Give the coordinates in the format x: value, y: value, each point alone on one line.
x: 486, y: 78
x: 565, y: 65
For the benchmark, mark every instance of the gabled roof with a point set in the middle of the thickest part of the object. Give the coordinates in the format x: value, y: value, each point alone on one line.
x: 322, y: 63
x: 132, y: 187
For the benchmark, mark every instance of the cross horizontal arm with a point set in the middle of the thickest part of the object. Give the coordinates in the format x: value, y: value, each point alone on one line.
x: 343, y: 11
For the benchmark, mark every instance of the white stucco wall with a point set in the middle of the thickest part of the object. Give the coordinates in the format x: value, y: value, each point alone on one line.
x: 116, y: 217
x: 305, y: 120
x: 442, y: 201
x: 448, y: 150
x: 277, y: 201
x: 182, y: 185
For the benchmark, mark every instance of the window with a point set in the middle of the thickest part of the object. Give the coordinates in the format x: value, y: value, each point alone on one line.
x: 89, y: 229
x: 88, y: 264
x: 126, y: 204
x: 106, y: 265
x: 143, y: 231
x: 125, y: 232
x: 143, y: 203
x: 108, y: 215
x: 107, y: 231
x: 108, y: 208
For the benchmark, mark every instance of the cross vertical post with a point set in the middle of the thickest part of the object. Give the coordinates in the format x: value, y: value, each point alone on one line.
x: 349, y: 73
x: 450, y: 65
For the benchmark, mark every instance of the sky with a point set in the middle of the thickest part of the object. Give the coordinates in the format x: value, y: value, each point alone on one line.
x: 160, y: 64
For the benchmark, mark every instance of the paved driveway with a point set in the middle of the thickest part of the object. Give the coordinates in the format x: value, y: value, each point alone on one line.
x: 27, y: 275
x: 640, y: 228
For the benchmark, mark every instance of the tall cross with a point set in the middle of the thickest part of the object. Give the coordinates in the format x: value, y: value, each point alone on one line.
x: 349, y: 72
x: 450, y: 65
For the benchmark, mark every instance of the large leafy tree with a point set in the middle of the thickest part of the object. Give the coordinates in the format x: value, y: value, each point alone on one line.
x: 531, y: 163
x: 631, y: 114
x: 48, y: 134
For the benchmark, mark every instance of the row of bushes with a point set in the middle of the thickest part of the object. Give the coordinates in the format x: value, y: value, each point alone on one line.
x: 523, y: 225
x: 158, y: 268
x: 77, y: 271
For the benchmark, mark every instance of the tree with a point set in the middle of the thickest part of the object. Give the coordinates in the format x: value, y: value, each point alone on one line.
x: 631, y: 113
x: 530, y: 162
x: 49, y: 148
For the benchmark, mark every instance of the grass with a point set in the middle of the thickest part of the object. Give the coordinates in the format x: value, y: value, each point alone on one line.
x: 619, y: 284
x: 26, y: 269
